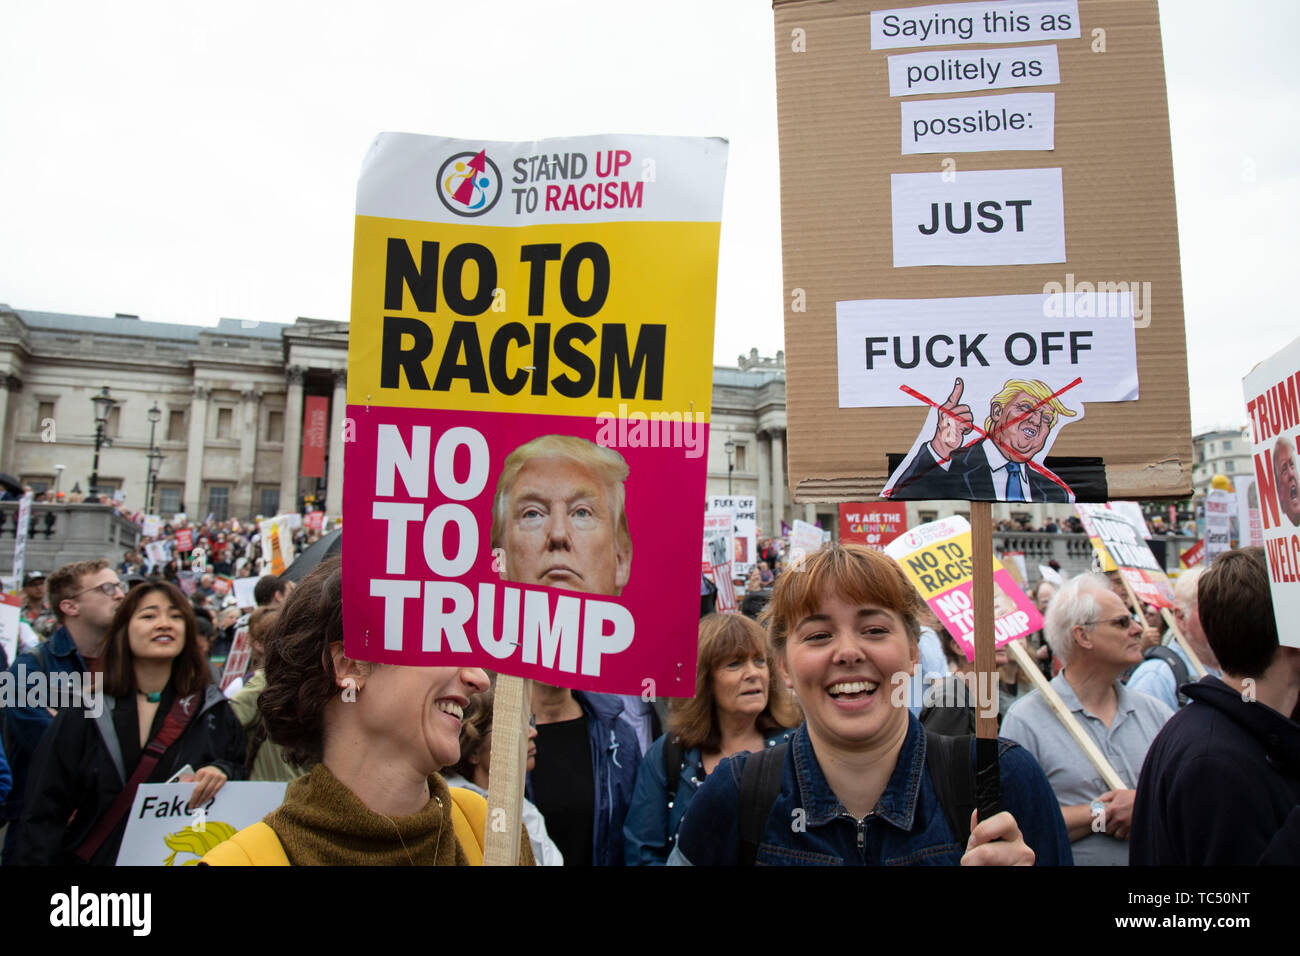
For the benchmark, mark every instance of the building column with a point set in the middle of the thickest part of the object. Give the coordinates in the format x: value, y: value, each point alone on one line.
x: 764, y: 465
x: 246, y: 489
x: 778, y: 482
x: 810, y: 513
x: 338, y: 412
x: 289, y: 464
x: 8, y: 383
x: 194, y: 453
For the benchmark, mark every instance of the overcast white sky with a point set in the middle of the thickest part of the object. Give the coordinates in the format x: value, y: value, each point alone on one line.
x: 185, y: 162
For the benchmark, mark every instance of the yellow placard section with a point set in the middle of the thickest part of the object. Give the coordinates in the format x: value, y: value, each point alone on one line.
x: 545, y: 319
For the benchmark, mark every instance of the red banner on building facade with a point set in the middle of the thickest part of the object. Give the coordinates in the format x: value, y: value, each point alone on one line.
x: 315, y: 427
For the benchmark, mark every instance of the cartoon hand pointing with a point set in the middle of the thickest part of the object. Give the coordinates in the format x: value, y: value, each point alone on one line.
x: 955, y: 423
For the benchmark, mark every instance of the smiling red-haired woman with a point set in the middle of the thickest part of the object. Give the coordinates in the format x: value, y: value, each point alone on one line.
x: 859, y: 776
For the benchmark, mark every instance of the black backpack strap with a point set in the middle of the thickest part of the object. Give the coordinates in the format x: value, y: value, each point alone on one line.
x: 953, y: 776
x: 1176, y: 665
x: 760, y: 782
x: 672, y: 766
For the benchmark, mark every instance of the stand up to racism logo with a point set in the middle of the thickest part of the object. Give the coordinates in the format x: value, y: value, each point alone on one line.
x: 469, y: 184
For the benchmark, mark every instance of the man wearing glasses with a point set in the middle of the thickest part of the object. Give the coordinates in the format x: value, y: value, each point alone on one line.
x: 84, y: 597
x: 1091, y: 630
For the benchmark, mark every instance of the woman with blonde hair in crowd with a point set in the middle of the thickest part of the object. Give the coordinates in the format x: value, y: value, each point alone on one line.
x: 739, y: 706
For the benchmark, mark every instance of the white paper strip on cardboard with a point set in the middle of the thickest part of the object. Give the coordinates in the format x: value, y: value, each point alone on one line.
x: 985, y: 218
x: 924, y: 344
x: 948, y: 24
x: 974, y: 123
x: 964, y: 71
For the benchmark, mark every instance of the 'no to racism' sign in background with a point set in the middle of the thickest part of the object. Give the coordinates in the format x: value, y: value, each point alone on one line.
x: 548, y: 305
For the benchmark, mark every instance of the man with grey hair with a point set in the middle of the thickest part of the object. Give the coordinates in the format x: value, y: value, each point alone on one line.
x: 1096, y: 637
x: 1166, y: 667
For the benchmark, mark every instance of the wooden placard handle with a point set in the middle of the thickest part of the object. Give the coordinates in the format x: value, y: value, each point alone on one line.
x: 1090, y: 750
x: 511, y: 709
x: 987, y: 774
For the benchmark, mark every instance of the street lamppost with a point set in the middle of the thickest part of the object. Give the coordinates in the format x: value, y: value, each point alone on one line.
x: 155, y: 465
x: 730, y: 446
x: 103, y: 406
x: 155, y: 415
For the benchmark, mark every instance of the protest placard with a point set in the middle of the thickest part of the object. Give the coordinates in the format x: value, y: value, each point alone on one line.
x: 529, y: 377
x: 745, y: 538
x: 937, y: 559
x: 805, y: 539
x: 158, y: 552
x: 717, y: 558
x: 152, y: 526
x: 10, y: 612
x: 244, y: 588
x: 1192, y: 556
x: 1271, y: 399
x: 1250, y: 523
x: 1002, y: 271
x: 237, y: 660
x: 160, y: 831
x: 872, y: 523
x: 1117, y: 541
x: 1220, y: 507
x: 22, y: 525
x: 276, y: 537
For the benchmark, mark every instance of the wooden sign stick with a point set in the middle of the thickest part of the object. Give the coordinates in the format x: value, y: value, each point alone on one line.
x: 511, y: 709
x: 987, y: 779
x: 1090, y: 750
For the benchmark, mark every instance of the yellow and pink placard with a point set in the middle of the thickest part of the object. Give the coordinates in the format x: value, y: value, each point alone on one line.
x: 529, y: 383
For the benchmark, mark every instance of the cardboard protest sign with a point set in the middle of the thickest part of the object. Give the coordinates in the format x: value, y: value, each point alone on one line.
x: 1192, y: 556
x: 982, y: 284
x: 529, y: 376
x: 1220, y: 507
x: 745, y: 539
x: 314, y: 520
x: 160, y: 831
x: 184, y: 539
x: 872, y: 523
x: 1250, y: 522
x: 1121, y: 545
x: 1271, y: 399
x: 936, y: 558
x: 152, y: 526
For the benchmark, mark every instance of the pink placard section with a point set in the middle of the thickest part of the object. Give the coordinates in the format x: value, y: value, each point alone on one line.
x: 421, y: 582
x: 1014, y: 613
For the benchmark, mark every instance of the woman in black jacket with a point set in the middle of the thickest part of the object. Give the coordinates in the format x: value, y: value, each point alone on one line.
x: 157, y: 712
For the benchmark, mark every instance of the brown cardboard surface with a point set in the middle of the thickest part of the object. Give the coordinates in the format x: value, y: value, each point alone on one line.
x: 839, y: 140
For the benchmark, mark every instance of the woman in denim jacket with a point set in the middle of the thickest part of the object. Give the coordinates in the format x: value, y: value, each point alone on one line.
x: 855, y: 788
x: 739, y: 706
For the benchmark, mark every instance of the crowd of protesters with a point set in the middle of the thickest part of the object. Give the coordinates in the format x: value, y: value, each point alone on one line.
x: 792, y: 713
